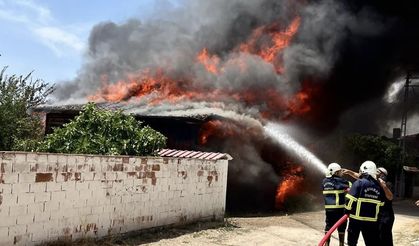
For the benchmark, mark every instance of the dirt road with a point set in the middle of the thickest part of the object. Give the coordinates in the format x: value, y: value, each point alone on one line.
x: 296, y: 229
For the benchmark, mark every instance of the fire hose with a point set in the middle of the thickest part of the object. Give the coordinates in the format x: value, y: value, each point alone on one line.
x: 329, y: 233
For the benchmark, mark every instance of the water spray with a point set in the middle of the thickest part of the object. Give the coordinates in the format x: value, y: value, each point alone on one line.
x: 274, y: 130
x: 278, y: 133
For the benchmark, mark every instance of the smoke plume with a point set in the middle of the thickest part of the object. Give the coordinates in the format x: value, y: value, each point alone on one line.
x: 321, y: 64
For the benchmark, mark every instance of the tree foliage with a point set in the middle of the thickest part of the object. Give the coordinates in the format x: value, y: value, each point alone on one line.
x: 98, y: 131
x: 381, y: 150
x: 17, y: 95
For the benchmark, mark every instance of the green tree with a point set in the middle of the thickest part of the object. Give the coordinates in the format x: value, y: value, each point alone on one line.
x: 17, y: 95
x: 99, y: 131
x: 381, y: 150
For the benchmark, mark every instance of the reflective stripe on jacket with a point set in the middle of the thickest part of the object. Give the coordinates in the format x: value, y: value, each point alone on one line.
x: 334, y: 192
x: 364, y: 200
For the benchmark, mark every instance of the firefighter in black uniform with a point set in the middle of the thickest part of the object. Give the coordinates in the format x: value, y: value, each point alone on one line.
x: 363, y: 203
x: 386, y: 216
x: 334, y: 188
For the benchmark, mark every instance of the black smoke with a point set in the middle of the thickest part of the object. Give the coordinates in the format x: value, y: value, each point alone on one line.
x: 354, y: 49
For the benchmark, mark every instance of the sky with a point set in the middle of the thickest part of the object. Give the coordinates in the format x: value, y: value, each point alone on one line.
x: 49, y: 37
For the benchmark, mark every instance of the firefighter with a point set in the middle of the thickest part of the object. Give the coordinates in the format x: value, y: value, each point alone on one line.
x: 386, y: 217
x: 334, y: 188
x: 363, y: 203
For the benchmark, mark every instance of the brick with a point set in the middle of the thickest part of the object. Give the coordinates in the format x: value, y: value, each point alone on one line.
x: 72, y: 195
x: 36, y: 208
x: 52, y: 186
x: 63, y: 177
x: 84, y: 212
x: 20, y: 157
x: 4, y: 233
x: 85, y: 194
x: 38, y: 187
x: 9, y: 200
x: 110, y: 175
x: 20, y: 188
x: 6, y: 166
x: 17, y: 230
x: 51, y: 206
x: 39, y: 237
x: 21, y: 239
x: 116, y: 200
x: 18, y: 210
x: 79, y: 203
x: 37, y: 231
x: 5, y: 188
x: 10, y: 178
x: 58, y: 196
x: 62, y: 160
x: 82, y: 186
x: 68, y: 186
x: 8, y: 221
x: 42, y: 197
x: 42, y: 158
x: 26, y: 198
x: 52, y: 159
x: 26, y: 178
x: 44, y: 177
x: 71, y: 160
x: 31, y: 157
x: 88, y: 176
x: 25, y: 219
x: 21, y: 167
x: 93, y: 201
x: 42, y: 217
x: 76, y: 176
x: 4, y: 211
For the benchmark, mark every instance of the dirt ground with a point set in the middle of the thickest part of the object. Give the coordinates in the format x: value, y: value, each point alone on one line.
x: 294, y: 229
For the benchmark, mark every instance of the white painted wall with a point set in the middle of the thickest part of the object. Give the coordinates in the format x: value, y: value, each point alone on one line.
x: 47, y: 197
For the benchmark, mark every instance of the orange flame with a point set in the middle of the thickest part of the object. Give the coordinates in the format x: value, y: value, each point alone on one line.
x: 216, y: 128
x: 276, y: 44
x: 210, y: 62
x: 290, y: 185
x: 268, y: 42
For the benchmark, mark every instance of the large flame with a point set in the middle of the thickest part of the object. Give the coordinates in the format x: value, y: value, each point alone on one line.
x: 290, y: 185
x: 155, y: 85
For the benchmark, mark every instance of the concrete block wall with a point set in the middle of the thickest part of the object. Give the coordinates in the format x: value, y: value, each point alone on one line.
x: 48, y: 197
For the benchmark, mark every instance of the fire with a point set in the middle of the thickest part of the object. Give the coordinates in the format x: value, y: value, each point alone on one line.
x: 210, y: 62
x: 276, y: 44
x: 157, y: 85
x: 300, y: 103
x: 290, y: 185
x: 216, y: 128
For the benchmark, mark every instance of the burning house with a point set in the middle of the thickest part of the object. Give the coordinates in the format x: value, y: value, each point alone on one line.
x: 320, y: 68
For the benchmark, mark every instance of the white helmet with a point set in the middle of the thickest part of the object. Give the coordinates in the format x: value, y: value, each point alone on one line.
x: 332, y: 169
x: 370, y: 168
x: 382, y: 170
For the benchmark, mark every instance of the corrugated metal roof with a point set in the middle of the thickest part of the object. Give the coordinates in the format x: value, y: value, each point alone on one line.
x: 194, y: 154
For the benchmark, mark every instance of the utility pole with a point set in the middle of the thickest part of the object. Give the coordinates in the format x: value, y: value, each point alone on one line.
x: 400, y: 179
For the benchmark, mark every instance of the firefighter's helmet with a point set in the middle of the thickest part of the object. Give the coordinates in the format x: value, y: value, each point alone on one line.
x: 332, y: 169
x: 370, y: 168
x: 382, y: 170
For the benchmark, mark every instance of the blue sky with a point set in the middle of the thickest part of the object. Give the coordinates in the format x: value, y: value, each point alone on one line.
x: 50, y: 36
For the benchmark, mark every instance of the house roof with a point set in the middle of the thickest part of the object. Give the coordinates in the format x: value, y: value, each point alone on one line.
x: 194, y: 154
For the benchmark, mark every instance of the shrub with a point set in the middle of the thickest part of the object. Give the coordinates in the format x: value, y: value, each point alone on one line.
x: 17, y: 95
x: 98, y: 131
